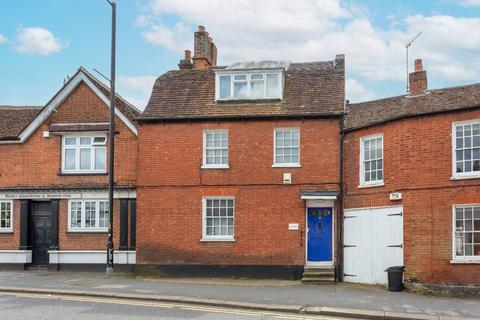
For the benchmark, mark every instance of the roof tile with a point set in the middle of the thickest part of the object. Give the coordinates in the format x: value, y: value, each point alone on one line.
x: 14, y: 119
x: 315, y: 88
x: 369, y: 113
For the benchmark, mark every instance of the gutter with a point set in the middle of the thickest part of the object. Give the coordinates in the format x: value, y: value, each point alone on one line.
x: 244, y: 117
x: 340, y: 243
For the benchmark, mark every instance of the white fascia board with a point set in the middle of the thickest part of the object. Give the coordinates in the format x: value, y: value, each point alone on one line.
x: 72, y: 194
x: 61, y: 96
x: 318, y: 197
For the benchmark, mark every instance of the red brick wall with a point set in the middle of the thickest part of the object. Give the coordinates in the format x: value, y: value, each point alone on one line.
x: 86, y: 240
x: 37, y: 162
x: 67, y: 240
x: 11, y: 241
x: 171, y: 186
x: 418, y: 163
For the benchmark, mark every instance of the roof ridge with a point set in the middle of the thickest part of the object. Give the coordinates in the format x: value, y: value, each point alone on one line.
x: 379, y: 99
x: 456, y: 87
x: 413, y: 97
x: 312, y: 62
x: 11, y: 106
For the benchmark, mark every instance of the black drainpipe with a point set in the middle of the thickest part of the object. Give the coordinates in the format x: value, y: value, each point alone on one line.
x: 340, y: 208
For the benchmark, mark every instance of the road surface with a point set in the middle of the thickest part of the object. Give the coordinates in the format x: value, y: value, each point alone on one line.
x: 23, y: 306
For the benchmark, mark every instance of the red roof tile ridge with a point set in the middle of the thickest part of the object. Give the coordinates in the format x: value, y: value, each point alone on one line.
x: 11, y: 106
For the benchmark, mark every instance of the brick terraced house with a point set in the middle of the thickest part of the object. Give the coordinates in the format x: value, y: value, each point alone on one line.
x: 412, y: 192
x: 54, y: 179
x: 256, y: 168
x: 239, y: 167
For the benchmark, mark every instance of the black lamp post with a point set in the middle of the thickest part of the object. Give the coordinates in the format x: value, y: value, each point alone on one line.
x: 111, y: 186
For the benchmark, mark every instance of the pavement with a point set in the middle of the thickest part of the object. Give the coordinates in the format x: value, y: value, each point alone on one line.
x: 346, y: 300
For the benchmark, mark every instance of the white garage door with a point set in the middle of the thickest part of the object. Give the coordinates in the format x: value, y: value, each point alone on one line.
x: 373, y: 242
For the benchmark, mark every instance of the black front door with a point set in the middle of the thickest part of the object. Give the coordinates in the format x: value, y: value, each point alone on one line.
x: 42, y: 232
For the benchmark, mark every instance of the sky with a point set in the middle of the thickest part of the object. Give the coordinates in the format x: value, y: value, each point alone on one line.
x: 44, y: 42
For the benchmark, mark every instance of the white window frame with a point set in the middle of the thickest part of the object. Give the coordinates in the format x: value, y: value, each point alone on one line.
x: 77, y: 147
x: 97, y: 216
x: 204, y: 161
x: 455, y: 174
x: 10, y: 229
x: 206, y: 237
x: 376, y: 183
x: 286, y: 165
x: 248, y: 73
x: 455, y: 258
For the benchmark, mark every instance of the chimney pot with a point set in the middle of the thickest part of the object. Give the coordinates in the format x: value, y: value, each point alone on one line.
x: 201, y: 28
x: 418, y: 65
x: 186, y: 62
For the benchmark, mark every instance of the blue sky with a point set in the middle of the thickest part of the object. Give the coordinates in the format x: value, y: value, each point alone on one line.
x: 41, y: 42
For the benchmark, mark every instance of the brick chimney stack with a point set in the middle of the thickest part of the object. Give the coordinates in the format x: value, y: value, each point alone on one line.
x: 205, y: 51
x: 186, y: 62
x: 418, y: 79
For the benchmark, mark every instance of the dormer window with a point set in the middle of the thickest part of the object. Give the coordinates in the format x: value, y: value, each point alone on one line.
x: 254, y: 85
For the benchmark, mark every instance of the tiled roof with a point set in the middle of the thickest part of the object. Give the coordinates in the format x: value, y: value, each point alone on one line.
x: 369, y: 113
x: 311, y: 89
x: 14, y: 119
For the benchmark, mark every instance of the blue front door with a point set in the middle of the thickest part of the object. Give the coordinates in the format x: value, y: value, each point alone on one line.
x: 319, y: 235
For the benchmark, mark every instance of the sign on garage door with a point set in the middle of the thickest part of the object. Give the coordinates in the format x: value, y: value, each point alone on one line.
x: 373, y: 239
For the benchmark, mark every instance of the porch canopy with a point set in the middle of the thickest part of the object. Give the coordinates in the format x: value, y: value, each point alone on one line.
x: 319, y: 195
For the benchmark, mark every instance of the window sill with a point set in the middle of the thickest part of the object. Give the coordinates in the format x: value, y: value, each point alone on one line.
x: 247, y: 100
x: 466, y: 261
x: 476, y: 176
x: 217, y: 240
x: 82, y: 174
x: 216, y: 167
x: 88, y: 231
x: 291, y: 165
x: 372, y: 185
x: 6, y: 231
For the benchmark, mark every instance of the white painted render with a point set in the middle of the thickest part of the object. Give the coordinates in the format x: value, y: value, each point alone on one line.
x: 15, y: 256
x: 91, y: 257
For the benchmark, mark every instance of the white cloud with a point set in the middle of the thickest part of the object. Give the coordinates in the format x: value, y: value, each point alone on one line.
x: 3, y: 39
x: 173, y: 39
x: 355, y: 92
x: 139, y: 103
x: 38, y: 41
x: 136, y: 89
x: 470, y: 3
x: 309, y: 30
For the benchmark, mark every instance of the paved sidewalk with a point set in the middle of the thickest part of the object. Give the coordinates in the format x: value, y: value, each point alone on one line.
x: 286, y: 293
